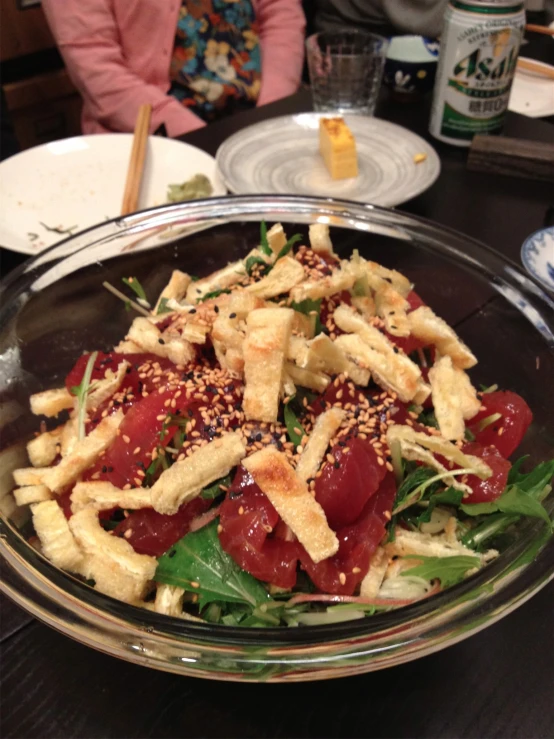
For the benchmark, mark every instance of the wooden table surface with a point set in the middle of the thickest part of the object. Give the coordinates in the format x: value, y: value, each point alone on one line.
x: 495, y: 684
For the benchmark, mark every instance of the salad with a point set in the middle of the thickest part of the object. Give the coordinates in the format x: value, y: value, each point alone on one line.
x: 291, y: 440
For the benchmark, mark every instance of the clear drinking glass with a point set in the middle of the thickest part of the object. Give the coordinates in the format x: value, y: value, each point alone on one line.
x: 346, y: 68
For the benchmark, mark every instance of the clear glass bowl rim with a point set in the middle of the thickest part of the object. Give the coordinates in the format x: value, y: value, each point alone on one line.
x: 410, y: 632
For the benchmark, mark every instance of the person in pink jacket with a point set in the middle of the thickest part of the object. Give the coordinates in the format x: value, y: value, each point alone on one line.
x: 192, y: 60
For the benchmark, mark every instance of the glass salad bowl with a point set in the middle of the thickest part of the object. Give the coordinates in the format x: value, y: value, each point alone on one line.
x: 54, y: 307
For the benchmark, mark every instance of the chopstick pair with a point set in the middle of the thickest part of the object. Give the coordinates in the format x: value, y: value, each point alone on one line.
x: 136, y: 162
x: 542, y: 69
x: 532, y: 28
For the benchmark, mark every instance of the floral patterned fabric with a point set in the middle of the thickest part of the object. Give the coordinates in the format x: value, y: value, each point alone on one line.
x: 216, y: 65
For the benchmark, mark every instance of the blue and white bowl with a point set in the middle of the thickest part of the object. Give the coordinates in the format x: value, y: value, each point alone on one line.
x: 537, y: 255
x: 411, y: 65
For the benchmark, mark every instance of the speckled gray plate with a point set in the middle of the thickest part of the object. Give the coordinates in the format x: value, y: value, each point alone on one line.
x: 281, y: 155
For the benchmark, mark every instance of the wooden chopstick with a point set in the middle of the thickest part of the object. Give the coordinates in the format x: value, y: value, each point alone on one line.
x: 136, y: 162
x: 531, y: 66
x: 539, y: 29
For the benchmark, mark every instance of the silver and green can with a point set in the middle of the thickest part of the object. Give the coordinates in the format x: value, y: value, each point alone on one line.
x: 479, y: 48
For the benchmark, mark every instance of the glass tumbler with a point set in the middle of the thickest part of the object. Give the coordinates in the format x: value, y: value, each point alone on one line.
x: 346, y: 68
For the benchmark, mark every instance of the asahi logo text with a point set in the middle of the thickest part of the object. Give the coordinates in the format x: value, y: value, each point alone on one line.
x: 479, y: 67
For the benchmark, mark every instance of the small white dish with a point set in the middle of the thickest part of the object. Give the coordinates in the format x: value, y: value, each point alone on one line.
x: 78, y: 182
x: 532, y: 94
x: 537, y: 255
x: 281, y: 155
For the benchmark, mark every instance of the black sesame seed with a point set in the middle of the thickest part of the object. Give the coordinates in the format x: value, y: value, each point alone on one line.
x: 336, y: 465
x: 172, y: 553
x: 193, y: 310
x: 232, y: 315
x: 216, y: 308
x: 161, y: 341
x: 104, y: 469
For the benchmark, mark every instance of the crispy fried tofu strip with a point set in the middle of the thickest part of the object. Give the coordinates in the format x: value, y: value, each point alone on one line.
x: 320, y: 240
x: 446, y: 401
x: 453, y: 398
x: 147, y: 336
x: 231, y: 360
x: 393, y: 309
x: 27, y: 476
x: 117, y: 569
x: 303, y: 324
x: 292, y: 500
x: 242, y: 302
x: 195, y: 333
x: 227, y: 340
x: 365, y: 305
x: 220, y: 280
x: 42, y: 450
x: 306, y: 378
x: 393, y: 372
x: 286, y: 273
x: 372, y: 582
x: 56, y: 538
x: 411, y: 441
x: 101, y: 390
x: 113, y: 580
x: 297, y: 350
x: 325, y: 356
x: 176, y: 288
x: 340, y: 279
x: 469, y: 401
x: 379, y: 277
x: 169, y: 600
x: 70, y: 436
x: 85, y: 452
x: 428, y: 327
x: 325, y: 428
x: 226, y: 331
x: 276, y: 238
x: 288, y: 388
x: 185, y: 479
x: 265, y: 346
x: 390, y: 367
x: 51, y: 403
x: 127, y: 347
x: 427, y: 545
x: 103, y: 496
x: 31, y: 494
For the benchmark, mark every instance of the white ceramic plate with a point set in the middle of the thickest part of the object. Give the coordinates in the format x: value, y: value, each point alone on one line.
x: 281, y: 155
x: 532, y: 94
x: 78, y: 182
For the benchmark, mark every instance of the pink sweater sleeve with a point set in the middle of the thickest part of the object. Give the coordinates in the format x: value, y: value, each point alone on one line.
x: 282, y: 25
x: 88, y: 39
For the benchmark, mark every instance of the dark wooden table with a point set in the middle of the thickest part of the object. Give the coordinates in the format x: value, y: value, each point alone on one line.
x: 496, y: 684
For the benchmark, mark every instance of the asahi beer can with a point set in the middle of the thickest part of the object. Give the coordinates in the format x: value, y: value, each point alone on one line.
x: 479, y: 48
